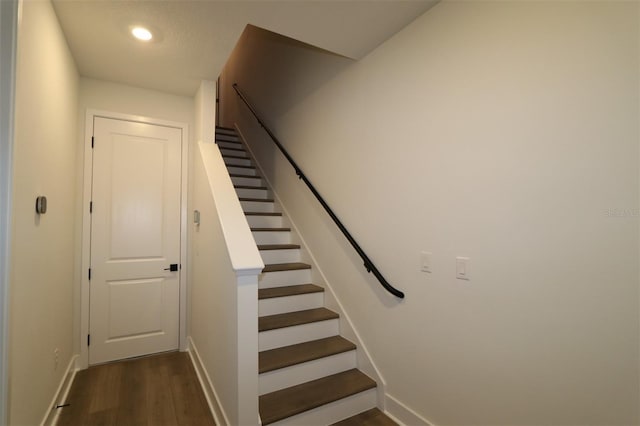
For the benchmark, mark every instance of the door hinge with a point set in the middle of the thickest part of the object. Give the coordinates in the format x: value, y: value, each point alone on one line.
x: 92, y: 141
x: 90, y: 206
x: 89, y: 274
x: 88, y: 340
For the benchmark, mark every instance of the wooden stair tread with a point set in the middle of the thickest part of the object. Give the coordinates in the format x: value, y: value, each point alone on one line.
x: 291, y: 266
x: 244, y: 176
x: 278, y: 246
x: 262, y: 213
x: 232, y: 149
x: 289, y: 319
x: 240, y: 166
x: 225, y: 128
x: 237, y: 142
x: 249, y: 187
x: 287, y: 356
x: 373, y: 417
x: 237, y: 157
x: 240, y: 174
x: 290, y: 290
x: 270, y: 229
x: 288, y: 402
x: 259, y: 200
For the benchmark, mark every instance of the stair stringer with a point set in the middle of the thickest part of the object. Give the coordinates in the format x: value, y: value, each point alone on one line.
x: 347, y: 328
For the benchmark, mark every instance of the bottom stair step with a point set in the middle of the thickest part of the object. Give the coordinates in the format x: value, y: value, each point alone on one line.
x: 373, y: 417
x: 288, y: 402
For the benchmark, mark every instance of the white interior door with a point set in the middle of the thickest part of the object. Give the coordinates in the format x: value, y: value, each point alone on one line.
x: 135, y: 236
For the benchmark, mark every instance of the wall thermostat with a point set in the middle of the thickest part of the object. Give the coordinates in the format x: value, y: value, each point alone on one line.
x: 41, y: 204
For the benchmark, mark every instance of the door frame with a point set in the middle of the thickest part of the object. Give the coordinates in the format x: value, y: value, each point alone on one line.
x: 91, y: 114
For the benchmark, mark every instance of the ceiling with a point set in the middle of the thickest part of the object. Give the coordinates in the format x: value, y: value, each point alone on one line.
x: 193, y: 39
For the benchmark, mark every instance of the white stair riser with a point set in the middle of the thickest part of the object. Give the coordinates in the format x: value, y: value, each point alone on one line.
x: 252, y: 193
x: 233, y: 153
x: 280, y: 256
x: 241, y: 171
x: 284, y: 278
x: 333, y: 412
x: 264, y: 221
x: 246, y: 181
x: 281, y: 305
x: 297, y: 334
x: 226, y: 144
x: 272, y: 237
x: 305, y: 372
x: 257, y: 206
x: 237, y: 161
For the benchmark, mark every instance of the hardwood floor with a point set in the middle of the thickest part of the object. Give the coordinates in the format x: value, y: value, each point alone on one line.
x: 159, y: 390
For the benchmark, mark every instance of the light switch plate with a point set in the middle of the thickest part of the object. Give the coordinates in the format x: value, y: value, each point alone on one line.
x: 425, y: 261
x: 462, y: 268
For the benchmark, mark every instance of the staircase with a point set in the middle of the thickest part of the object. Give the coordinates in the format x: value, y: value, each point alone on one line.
x: 308, y: 373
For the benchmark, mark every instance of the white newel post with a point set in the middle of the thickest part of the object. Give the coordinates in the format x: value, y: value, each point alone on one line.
x: 248, y: 346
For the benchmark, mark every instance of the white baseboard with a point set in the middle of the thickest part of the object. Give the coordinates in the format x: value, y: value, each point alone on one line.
x: 402, y: 414
x: 51, y: 416
x: 207, y: 387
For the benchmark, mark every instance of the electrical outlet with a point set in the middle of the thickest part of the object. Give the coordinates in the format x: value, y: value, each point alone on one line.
x: 56, y: 358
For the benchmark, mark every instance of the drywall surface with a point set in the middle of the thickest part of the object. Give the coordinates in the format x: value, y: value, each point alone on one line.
x: 205, y: 111
x: 213, y: 297
x: 42, y: 247
x: 115, y: 97
x: 505, y: 132
x: 224, y: 289
x: 8, y: 37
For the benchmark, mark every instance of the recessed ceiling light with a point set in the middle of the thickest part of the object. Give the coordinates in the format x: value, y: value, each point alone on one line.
x: 141, y: 33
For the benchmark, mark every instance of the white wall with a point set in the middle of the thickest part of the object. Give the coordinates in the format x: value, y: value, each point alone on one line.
x: 502, y: 131
x: 8, y: 36
x: 119, y: 98
x: 42, y: 248
x: 105, y: 95
x: 205, y: 111
x: 224, y: 291
x: 213, y: 298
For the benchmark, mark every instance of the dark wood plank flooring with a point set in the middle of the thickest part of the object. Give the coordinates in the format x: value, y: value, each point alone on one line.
x: 159, y: 390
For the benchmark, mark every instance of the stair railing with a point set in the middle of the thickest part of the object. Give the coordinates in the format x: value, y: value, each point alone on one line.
x: 368, y: 264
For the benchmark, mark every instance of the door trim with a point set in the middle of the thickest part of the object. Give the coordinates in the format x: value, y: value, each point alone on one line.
x: 83, y: 359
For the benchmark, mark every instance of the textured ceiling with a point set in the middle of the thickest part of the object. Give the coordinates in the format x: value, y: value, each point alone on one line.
x: 195, y: 38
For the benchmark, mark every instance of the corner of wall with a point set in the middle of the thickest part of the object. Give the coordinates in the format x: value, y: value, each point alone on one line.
x: 8, y: 35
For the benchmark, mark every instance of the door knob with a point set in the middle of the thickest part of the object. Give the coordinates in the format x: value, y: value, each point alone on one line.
x: 173, y: 267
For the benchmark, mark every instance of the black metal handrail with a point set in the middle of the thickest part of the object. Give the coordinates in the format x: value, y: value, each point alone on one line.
x: 368, y: 264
